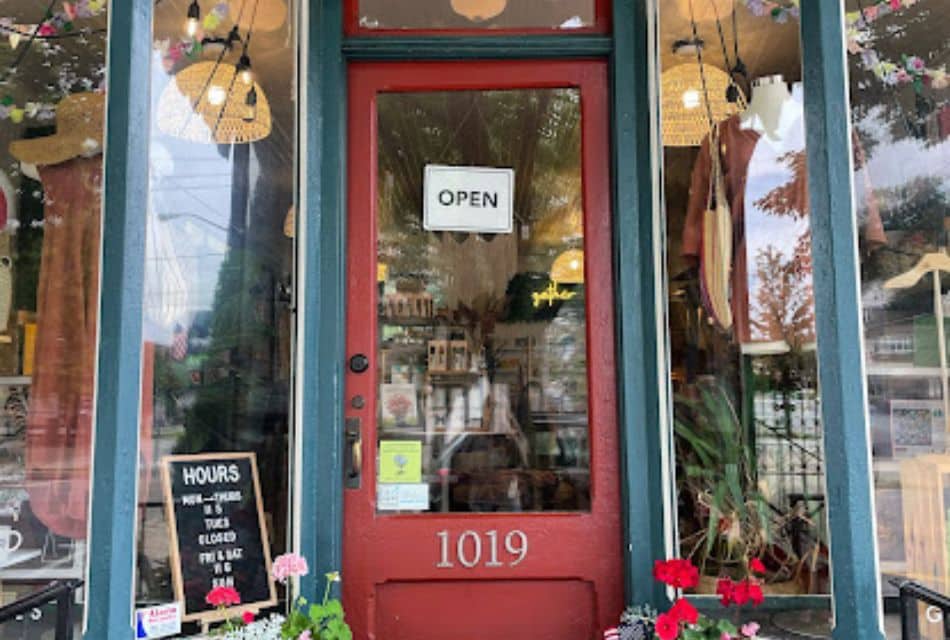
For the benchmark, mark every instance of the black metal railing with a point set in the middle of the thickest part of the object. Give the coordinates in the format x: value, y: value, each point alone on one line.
x: 912, y: 594
x: 62, y: 593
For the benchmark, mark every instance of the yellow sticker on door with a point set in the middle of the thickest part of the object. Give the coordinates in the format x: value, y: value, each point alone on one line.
x: 400, y: 461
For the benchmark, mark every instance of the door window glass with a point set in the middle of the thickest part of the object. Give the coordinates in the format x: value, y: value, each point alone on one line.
x: 482, y: 360
x: 900, y: 110
x: 476, y: 14
x: 217, y: 312
x: 746, y: 414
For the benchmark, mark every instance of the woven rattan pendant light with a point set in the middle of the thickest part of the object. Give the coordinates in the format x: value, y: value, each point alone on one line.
x: 479, y: 10
x: 266, y: 15
x: 206, y: 103
x: 568, y: 267
x: 684, y: 114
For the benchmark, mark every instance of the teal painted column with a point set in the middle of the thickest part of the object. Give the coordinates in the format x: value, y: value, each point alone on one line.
x: 321, y: 297
x: 856, y: 590
x: 111, y: 552
x: 635, y: 292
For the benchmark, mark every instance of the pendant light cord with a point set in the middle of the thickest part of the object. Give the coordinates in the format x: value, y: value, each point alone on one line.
x: 702, y: 71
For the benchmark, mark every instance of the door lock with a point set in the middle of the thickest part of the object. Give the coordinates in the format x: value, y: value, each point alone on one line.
x: 353, y: 452
x: 359, y: 363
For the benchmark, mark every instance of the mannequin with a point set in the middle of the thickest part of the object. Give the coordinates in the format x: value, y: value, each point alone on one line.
x: 762, y: 151
x: 769, y: 95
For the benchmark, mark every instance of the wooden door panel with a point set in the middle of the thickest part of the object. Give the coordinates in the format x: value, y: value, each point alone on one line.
x: 475, y: 610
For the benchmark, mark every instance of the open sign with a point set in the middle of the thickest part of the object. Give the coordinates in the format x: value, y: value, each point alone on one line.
x: 468, y: 199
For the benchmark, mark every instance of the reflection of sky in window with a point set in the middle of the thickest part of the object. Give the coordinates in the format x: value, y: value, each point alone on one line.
x: 896, y: 161
x: 189, y: 217
x: 767, y: 172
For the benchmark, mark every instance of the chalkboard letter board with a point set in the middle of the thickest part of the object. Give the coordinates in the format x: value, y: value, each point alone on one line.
x: 218, y: 538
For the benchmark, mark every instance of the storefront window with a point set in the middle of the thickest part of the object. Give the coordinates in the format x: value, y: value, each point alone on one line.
x: 746, y: 416
x: 482, y: 329
x: 52, y: 98
x: 214, y: 496
x: 901, y: 116
x: 476, y: 14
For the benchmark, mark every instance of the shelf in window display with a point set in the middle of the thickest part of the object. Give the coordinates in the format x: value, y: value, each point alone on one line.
x: 902, y: 371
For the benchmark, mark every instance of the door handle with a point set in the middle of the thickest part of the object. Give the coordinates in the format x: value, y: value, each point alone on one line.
x: 353, y: 453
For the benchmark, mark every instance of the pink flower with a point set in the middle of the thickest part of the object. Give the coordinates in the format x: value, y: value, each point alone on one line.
x: 749, y: 629
x: 757, y: 566
x: 895, y: 4
x: 304, y: 635
x: 289, y: 565
x: 725, y: 636
x: 45, y: 30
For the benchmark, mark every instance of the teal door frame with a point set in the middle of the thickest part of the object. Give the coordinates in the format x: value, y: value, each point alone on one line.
x: 320, y: 351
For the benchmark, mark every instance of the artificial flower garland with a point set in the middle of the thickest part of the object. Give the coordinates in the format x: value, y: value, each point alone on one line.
x: 910, y: 70
x: 55, y: 23
x: 778, y: 11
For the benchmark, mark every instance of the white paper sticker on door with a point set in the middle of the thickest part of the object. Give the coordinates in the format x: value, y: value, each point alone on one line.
x: 468, y: 199
x: 402, y: 497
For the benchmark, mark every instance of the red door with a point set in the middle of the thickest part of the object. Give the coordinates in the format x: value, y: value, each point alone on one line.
x: 482, y: 494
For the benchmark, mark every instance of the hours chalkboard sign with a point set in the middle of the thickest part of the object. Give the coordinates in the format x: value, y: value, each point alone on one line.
x: 218, y: 537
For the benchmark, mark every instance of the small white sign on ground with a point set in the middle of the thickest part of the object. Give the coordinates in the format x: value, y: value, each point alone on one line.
x: 468, y: 199
x: 160, y: 621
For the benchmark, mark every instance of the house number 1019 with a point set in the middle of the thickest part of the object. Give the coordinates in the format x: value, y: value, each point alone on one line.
x: 468, y: 549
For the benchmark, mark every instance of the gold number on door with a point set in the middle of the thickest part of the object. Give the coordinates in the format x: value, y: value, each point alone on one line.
x: 468, y: 549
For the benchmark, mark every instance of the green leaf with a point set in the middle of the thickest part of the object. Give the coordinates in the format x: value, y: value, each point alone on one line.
x: 692, y: 634
x: 317, y: 613
x: 334, y: 608
x: 724, y: 626
x: 732, y: 481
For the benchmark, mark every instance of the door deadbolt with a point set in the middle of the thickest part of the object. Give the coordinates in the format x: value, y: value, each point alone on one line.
x: 359, y: 363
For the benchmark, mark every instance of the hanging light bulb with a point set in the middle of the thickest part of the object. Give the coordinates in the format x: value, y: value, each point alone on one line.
x: 194, y: 17
x: 216, y: 95
x: 250, y: 102
x: 244, y: 69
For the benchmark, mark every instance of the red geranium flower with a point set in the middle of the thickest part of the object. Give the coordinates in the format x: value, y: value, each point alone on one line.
x: 756, y: 565
x: 755, y: 594
x: 667, y: 627
x: 247, y: 617
x: 740, y: 593
x: 223, y: 597
x: 677, y: 572
x: 662, y: 571
x: 725, y: 589
x: 683, y: 611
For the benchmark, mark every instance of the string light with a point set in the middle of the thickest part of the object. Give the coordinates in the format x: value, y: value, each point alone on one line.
x: 244, y: 69
x: 194, y: 18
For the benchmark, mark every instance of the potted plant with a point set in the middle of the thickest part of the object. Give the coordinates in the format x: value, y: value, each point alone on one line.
x: 683, y: 621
